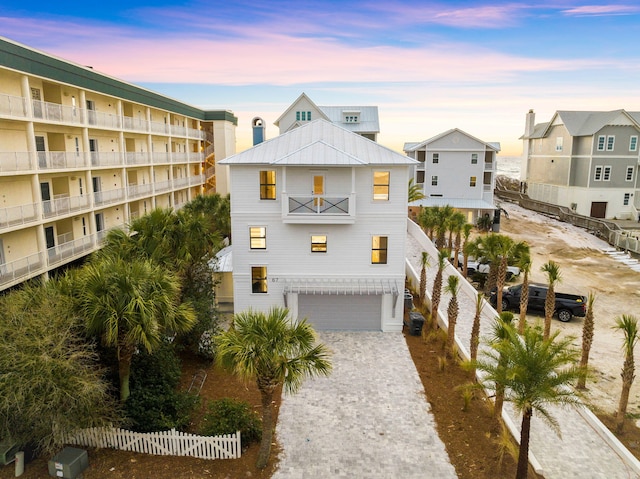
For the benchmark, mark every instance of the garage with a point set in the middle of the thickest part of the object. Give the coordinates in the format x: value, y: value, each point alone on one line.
x: 347, y: 312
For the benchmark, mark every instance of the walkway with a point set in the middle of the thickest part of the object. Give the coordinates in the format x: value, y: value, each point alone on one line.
x: 582, y: 452
x: 369, y: 419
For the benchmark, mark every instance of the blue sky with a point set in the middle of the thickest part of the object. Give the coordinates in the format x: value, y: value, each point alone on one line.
x: 428, y: 66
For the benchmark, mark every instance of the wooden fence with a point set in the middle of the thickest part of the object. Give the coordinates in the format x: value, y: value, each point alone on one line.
x: 163, y: 443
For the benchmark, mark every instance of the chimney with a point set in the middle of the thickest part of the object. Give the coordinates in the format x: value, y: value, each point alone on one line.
x: 529, y: 124
x: 258, y: 130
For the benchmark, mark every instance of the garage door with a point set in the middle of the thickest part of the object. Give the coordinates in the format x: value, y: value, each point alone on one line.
x: 349, y: 312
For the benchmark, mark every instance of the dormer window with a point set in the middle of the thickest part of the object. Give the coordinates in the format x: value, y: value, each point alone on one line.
x: 351, y: 116
x: 303, y: 116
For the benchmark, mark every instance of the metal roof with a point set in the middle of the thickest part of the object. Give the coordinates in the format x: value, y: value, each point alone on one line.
x: 340, y: 286
x: 413, y: 146
x: 319, y: 143
x: 223, y: 262
x: 368, y: 121
x: 584, y: 123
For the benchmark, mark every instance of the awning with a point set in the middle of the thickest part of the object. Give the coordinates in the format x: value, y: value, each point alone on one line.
x: 340, y: 286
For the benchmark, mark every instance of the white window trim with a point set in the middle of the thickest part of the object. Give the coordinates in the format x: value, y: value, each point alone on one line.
x: 633, y: 144
x: 266, y: 279
x: 612, y: 143
x: 257, y: 237
x: 627, y: 176
x: 598, y: 173
x: 606, y: 173
x: 603, y: 145
x: 374, y: 184
x: 436, y: 180
x: 559, y: 143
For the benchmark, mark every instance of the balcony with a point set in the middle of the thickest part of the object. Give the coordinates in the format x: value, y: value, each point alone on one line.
x: 135, y: 124
x: 106, y: 158
x: 18, y: 215
x: 56, y: 112
x: 13, y: 106
x: 319, y: 209
x: 162, y: 157
x: 21, y: 269
x: 489, y: 165
x: 162, y: 186
x: 196, y: 180
x: 49, y: 160
x: 70, y: 250
x: 180, y: 182
x: 136, y: 191
x: 135, y: 158
x: 109, y: 197
x: 105, y: 120
x: 15, y: 161
x: 161, y: 128
x: 177, y: 130
x: 62, y: 205
x: 179, y: 157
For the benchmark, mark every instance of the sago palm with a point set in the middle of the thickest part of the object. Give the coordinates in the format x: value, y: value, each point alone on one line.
x: 629, y: 326
x: 587, y: 339
x: 274, y: 351
x: 453, y: 286
x: 552, y: 270
x: 437, y: 287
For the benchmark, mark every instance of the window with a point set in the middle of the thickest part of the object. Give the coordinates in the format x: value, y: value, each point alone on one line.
x: 351, y: 119
x: 268, y: 185
x: 474, y: 158
x: 303, y: 116
x: 601, y: 141
x: 318, y: 243
x: 598, y: 174
x: 421, y: 155
x: 419, y: 177
x: 258, y: 237
x: 381, y: 185
x: 472, y: 181
x: 633, y: 143
x: 606, y: 174
x: 559, y: 141
x: 258, y: 279
x: 610, y: 142
x: 379, y: 250
x: 434, y: 181
x: 627, y: 196
x: 436, y: 158
x: 629, y: 176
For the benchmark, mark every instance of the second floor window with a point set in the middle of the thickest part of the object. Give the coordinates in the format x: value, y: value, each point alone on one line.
x: 379, y: 250
x: 258, y: 279
x: 268, y: 185
x: 610, y: 142
x: 633, y: 143
x: 258, y: 237
x: 559, y: 141
x: 606, y: 173
x: 381, y: 185
x: 601, y: 142
x: 303, y: 116
x: 598, y: 174
x: 436, y: 158
x: 472, y: 181
x: 474, y: 158
x: 434, y: 181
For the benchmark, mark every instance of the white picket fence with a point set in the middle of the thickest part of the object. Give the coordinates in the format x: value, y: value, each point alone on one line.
x: 163, y: 443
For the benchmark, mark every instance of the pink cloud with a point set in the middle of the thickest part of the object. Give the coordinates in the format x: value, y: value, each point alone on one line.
x: 602, y: 10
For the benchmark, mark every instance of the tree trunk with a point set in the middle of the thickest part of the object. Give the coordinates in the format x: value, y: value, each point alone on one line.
x: 587, y: 340
x: 423, y: 284
x: 266, y: 393
x: 549, y: 306
x: 524, y: 302
x: 523, y: 455
x: 502, y: 274
x: 497, y: 407
x: 627, y: 379
x: 435, y: 299
x: 452, y: 313
x: 125, y: 354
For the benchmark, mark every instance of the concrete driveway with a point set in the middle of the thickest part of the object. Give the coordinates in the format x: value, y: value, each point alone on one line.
x: 369, y: 419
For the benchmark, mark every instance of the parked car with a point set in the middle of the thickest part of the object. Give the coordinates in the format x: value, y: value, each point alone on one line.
x: 567, y: 305
x: 474, y: 266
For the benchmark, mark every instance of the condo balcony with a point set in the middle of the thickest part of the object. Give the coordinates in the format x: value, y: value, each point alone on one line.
x: 319, y: 209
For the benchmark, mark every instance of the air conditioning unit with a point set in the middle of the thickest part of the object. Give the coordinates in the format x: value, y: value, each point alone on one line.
x: 574, y: 206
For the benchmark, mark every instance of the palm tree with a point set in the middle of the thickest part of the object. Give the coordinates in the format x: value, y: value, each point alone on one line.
x: 466, y: 232
x: 427, y: 220
x: 524, y: 263
x: 415, y: 191
x: 629, y: 326
x: 455, y: 223
x: 437, y: 287
x: 443, y: 215
x: 475, y: 329
x: 500, y: 333
x: 507, y: 251
x: 540, y: 373
x: 274, y: 351
x: 130, y: 304
x: 458, y: 223
x: 453, y: 286
x: 552, y: 270
x: 216, y: 211
x: 425, y: 262
x: 587, y: 339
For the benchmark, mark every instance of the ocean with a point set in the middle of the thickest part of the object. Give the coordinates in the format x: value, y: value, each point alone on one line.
x: 509, y: 166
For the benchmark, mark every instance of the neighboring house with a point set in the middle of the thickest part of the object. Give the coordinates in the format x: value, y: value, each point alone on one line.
x: 318, y: 221
x: 362, y: 120
x: 584, y: 160
x: 82, y: 152
x: 457, y: 169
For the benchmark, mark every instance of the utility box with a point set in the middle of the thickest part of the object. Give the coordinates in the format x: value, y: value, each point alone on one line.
x: 69, y: 463
x: 8, y: 451
x: 416, y: 321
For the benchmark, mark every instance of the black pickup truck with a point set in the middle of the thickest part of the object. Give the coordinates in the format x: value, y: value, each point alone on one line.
x: 567, y: 305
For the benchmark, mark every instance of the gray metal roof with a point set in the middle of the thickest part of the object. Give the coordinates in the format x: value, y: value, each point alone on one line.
x: 223, y: 262
x: 368, y: 116
x: 584, y: 123
x: 413, y: 146
x: 319, y: 143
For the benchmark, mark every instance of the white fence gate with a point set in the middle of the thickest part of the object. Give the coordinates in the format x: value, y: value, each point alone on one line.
x: 163, y: 443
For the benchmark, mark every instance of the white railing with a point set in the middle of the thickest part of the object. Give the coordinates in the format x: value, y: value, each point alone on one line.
x: 70, y: 249
x: 196, y: 180
x: 196, y: 157
x: 59, y: 159
x: 179, y: 157
x: 56, y: 112
x: 177, y: 130
x: 318, y: 208
x: 99, y: 118
x: 180, y: 182
x: 15, y: 161
x: 109, y: 196
x: 195, y: 133
x: 135, y: 124
x: 163, y: 443
x: 209, y: 150
x: 162, y: 157
x: 13, y: 106
x: 21, y: 269
x: 18, y: 215
x: 63, y: 204
x: 162, y: 186
x: 157, y: 127
x: 105, y: 158
x: 136, y: 158
x: 489, y: 166
x: 135, y: 191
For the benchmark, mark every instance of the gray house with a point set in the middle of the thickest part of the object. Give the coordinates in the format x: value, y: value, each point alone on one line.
x: 584, y: 160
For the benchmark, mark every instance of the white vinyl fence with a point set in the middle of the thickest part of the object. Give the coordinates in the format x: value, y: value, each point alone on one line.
x: 163, y: 443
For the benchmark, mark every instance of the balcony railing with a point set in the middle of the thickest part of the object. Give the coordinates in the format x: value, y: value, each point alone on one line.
x: 179, y: 157
x: 196, y: 157
x: 62, y: 204
x: 136, y: 191
x: 489, y: 166
x: 18, y: 215
x: 162, y: 186
x: 177, y: 130
x: 60, y: 159
x: 136, y: 158
x: 13, y: 106
x: 135, y: 124
x: 318, y: 209
x: 105, y: 158
x: 56, y: 112
x: 157, y: 127
x: 196, y: 180
x: 180, y: 182
x: 108, y: 197
x: 15, y: 161
x: 161, y: 157
x: 70, y: 250
x: 21, y: 269
x: 106, y: 120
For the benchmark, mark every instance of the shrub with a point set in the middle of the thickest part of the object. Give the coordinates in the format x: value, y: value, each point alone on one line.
x: 226, y: 416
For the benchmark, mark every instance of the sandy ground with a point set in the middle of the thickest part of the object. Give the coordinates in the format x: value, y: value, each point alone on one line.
x: 584, y: 268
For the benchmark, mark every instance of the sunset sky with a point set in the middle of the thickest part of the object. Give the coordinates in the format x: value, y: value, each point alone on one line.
x: 428, y: 66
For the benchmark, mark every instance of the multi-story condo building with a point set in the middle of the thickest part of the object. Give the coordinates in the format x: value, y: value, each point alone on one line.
x: 318, y: 222
x: 456, y: 169
x: 82, y: 152
x: 362, y: 120
x: 584, y: 160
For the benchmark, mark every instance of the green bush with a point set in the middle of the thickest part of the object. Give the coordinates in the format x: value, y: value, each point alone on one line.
x: 154, y: 403
x: 226, y: 416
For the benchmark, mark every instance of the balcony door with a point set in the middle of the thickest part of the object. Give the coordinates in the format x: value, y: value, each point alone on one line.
x: 45, y: 193
x: 318, y: 190
x: 41, y: 151
x: 36, y: 96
